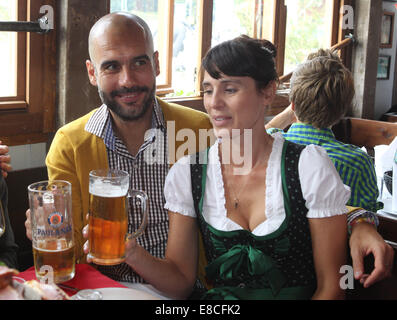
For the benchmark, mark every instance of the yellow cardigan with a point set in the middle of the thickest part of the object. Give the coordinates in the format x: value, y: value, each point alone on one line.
x: 74, y: 152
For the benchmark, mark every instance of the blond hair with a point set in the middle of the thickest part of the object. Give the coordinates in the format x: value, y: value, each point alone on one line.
x: 322, y: 89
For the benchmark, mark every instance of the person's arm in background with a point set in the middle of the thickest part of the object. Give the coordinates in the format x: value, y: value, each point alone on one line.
x: 365, y: 239
x: 282, y: 120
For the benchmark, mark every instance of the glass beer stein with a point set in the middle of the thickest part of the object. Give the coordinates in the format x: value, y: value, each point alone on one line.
x: 108, y: 215
x: 52, y: 230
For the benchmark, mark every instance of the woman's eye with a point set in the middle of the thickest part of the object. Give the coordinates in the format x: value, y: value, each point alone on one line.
x: 207, y: 91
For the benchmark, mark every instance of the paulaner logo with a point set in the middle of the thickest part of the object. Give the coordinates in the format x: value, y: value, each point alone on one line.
x: 55, y: 219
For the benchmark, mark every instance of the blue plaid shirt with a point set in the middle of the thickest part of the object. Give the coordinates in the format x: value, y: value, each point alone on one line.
x: 355, y: 167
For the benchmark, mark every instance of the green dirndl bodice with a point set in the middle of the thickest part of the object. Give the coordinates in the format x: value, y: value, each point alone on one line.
x: 242, y: 265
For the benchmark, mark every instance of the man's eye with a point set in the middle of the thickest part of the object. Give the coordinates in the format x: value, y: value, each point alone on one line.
x: 140, y: 63
x: 231, y: 90
x: 111, y: 67
x: 207, y: 91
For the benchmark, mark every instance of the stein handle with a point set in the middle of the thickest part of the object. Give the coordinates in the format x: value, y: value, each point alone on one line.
x: 142, y: 196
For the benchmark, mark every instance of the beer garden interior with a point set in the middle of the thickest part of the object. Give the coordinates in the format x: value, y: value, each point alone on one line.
x: 52, y: 87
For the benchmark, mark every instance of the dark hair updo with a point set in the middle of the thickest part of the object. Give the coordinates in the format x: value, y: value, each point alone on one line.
x: 243, y: 57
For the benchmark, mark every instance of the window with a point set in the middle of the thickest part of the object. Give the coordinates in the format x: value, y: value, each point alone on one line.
x: 296, y: 27
x: 8, y: 86
x: 232, y: 18
x: 309, y: 27
x: 12, y: 87
x: 165, y: 18
x: 27, y: 87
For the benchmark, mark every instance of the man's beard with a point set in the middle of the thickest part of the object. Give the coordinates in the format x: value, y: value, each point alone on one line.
x: 124, y: 113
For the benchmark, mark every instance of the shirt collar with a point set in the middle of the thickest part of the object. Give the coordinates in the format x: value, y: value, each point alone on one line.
x: 308, y: 130
x: 100, y: 124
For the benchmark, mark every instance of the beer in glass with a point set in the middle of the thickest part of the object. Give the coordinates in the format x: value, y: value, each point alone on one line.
x: 52, y: 230
x: 108, y: 215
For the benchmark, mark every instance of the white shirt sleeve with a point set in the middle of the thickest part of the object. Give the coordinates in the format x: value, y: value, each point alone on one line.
x: 178, y: 189
x: 322, y: 187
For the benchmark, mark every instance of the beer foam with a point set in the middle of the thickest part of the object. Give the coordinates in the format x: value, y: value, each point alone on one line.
x: 106, y: 190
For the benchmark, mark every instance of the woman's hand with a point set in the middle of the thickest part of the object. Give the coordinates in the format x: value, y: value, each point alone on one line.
x: 130, y: 246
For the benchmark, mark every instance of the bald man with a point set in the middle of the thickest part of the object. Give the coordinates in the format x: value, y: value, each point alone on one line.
x: 124, y: 66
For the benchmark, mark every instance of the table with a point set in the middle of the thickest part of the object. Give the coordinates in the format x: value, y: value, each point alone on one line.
x: 86, y: 277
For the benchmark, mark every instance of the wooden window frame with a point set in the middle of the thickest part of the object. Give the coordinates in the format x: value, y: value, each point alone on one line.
x: 345, y: 53
x: 29, y: 117
x: 166, y: 87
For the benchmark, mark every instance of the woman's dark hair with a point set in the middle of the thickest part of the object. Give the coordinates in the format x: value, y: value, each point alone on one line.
x: 243, y: 57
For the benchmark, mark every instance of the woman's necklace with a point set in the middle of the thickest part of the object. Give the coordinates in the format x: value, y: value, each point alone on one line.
x: 236, y: 200
x: 236, y: 196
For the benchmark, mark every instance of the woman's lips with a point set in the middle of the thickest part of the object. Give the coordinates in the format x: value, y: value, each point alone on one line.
x: 221, y: 121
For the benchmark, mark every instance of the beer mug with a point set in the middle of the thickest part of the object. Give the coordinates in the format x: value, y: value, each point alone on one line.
x: 52, y: 230
x: 108, y: 215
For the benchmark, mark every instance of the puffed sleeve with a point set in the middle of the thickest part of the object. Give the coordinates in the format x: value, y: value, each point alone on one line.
x: 178, y: 189
x: 322, y: 187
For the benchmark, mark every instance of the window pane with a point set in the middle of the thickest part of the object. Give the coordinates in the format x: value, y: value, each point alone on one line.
x: 232, y: 18
x: 185, y: 38
x: 309, y: 27
x: 154, y: 15
x: 265, y: 25
x: 8, y: 52
x: 185, y: 48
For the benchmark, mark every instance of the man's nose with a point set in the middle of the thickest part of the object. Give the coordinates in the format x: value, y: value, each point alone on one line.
x: 127, y: 78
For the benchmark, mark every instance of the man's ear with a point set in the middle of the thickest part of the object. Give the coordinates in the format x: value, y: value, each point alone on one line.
x: 91, y: 72
x: 156, y: 63
x: 292, y: 106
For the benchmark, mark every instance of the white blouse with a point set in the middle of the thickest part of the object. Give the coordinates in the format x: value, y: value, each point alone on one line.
x: 322, y: 188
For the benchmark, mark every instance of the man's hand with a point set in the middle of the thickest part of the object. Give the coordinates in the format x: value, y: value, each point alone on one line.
x: 364, y: 241
x: 86, y: 247
x: 28, y: 225
x: 5, y: 160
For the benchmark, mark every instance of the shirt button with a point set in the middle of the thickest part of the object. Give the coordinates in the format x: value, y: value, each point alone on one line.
x: 135, y: 165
